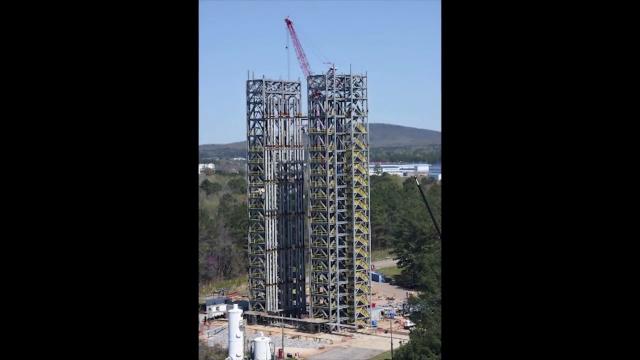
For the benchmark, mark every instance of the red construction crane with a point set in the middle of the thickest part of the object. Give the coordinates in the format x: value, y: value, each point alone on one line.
x: 302, y: 58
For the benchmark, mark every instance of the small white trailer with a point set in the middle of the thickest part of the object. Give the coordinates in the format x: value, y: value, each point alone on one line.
x: 216, y: 310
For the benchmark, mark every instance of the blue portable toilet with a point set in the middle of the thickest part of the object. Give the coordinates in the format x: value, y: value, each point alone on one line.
x: 374, y: 323
x: 377, y: 277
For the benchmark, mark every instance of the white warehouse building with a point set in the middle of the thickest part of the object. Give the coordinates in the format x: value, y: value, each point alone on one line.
x: 202, y: 167
x: 400, y: 169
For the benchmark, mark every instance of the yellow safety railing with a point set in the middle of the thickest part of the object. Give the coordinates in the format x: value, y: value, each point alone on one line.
x: 318, y: 196
x: 360, y: 168
x: 359, y: 156
x: 362, y: 310
x: 362, y: 275
x: 359, y: 215
x: 321, y: 131
x: 360, y: 180
x: 361, y: 203
x: 362, y: 287
x: 361, y: 251
x: 359, y: 143
x: 322, y: 184
x: 360, y: 192
x: 362, y: 263
x: 363, y: 229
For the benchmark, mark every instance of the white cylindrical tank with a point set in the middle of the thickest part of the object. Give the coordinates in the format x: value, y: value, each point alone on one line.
x: 261, y: 348
x: 236, y: 337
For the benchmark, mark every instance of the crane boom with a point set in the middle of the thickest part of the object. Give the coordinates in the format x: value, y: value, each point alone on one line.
x: 302, y: 58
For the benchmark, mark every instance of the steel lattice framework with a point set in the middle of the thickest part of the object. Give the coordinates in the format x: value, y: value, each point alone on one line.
x: 339, y: 238
x: 275, y: 165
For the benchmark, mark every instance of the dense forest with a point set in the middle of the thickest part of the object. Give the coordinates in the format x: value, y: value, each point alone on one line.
x: 429, y: 154
x: 223, y: 224
x: 416, y: 246
x: 399, y: 222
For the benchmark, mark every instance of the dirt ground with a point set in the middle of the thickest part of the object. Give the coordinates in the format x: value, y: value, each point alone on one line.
x: 383, y: 294
x: 380, y: 264
x: 361, y: 345
x: 336, y: 346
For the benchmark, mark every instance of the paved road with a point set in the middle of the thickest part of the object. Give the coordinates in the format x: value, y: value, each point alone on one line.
x: 346, y: 353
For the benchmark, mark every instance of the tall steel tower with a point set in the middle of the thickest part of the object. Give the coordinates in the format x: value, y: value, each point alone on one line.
x: 339, y: 240
x: 275, y: 165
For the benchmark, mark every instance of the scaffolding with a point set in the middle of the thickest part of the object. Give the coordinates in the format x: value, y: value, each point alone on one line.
x: 339, y: 238
x: 275, y: 164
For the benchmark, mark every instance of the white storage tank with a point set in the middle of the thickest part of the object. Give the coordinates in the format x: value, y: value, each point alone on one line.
x: 236, y: 337
x: 261, y: 348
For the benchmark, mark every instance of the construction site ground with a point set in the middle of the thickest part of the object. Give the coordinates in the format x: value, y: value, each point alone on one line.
x: 361, y: 345
x: 345, y: 345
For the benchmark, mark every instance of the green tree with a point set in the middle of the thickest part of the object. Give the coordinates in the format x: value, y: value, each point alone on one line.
x: 237, y: 185
x: 418, y: 251
x: 386, y: 199
x: 210, y: 187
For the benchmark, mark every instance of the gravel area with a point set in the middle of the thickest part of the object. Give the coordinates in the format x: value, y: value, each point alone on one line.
x: 346, y: 353
x: 222, y: 337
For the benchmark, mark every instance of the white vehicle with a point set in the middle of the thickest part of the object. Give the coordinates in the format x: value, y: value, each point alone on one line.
x: 408, y: 324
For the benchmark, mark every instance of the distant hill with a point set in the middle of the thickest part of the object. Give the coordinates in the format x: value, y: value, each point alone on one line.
x: 388, y: 135
x: 381, y: 136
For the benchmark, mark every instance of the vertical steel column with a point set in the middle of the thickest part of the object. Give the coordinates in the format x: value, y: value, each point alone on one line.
x: 276, y: 208
x: 322, y: 207
x: 256, y: 177
x: 361, y: 213
x: 339, y: 204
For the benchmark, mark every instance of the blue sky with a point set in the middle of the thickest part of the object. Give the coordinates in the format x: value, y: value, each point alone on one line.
x: 396, y: 42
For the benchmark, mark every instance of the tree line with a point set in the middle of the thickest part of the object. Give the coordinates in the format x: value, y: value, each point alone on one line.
x: 223, y: 223
x: 429, y: 154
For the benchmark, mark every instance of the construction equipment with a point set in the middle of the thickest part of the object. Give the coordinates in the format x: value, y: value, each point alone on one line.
x: 435, y: 224
x: 302, y: 58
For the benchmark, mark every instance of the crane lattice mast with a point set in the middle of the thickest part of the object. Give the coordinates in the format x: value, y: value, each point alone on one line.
x: 302, y: 58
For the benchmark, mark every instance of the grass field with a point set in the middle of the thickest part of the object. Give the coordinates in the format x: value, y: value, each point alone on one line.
x: 383, y: 356
x: 381, y: 254
x: 390, y: 271
x: 230, y: 285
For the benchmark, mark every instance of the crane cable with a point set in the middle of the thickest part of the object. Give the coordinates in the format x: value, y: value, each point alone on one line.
x: 435, y: 224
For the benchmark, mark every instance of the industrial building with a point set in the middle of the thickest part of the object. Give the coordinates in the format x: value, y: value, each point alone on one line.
x: 326, y: 182
x: 399, y: 169
x: 338, y: 198
x: 202, y: 168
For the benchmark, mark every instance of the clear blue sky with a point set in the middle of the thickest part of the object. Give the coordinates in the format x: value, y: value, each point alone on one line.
x: 396, y: 42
